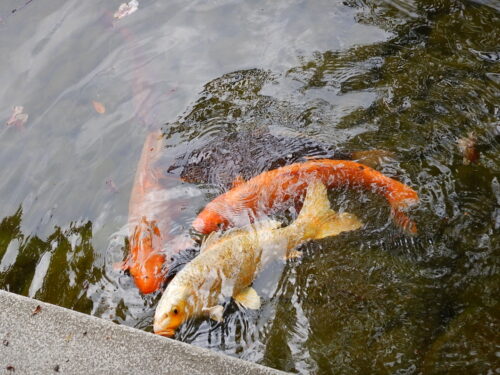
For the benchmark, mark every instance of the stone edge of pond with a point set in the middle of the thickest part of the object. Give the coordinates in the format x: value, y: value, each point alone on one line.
x: 37, y: 337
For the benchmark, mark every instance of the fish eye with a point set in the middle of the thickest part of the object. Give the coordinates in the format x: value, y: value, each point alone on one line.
x: 175, y: 311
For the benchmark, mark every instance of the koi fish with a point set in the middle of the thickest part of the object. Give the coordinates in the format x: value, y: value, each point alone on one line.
x: 278, y: 187
x: 229, y: 262
x: 145, y: 262
x: 149, y: 222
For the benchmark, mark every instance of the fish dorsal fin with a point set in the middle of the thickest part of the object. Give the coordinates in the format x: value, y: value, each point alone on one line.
x: 248, y: 298
x: 215, y: 237
x: 259, y: 226
x: 239, y: 180
x: 268, y: 224
x: 210, y: 240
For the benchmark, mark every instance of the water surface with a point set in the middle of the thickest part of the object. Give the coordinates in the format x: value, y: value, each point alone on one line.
x: 409, y: 77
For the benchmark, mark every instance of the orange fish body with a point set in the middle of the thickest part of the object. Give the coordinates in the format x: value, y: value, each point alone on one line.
x: 146, y: 224
x: 146, y: 264
x: 275, y: 188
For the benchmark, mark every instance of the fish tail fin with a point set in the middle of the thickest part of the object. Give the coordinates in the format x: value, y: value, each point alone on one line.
x: 317, y: 220
x: 404, y: 221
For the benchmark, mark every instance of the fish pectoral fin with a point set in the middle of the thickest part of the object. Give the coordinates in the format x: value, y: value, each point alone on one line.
x: 213, y: 237
x: 248, y: 298
x: 293, y: 254
x: 214, y: 312
x: 238, y: 181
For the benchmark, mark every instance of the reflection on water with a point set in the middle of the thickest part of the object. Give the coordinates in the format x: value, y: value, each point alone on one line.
x: 240, y: 88
x: 57, y: 269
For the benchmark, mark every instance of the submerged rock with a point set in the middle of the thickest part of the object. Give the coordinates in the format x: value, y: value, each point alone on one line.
x: 246, y: 154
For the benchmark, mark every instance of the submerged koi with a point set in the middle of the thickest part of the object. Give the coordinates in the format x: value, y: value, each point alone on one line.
x: 145, y: 261
x: 228, y: 263
x: 271, y: 189
x: 150, y: 220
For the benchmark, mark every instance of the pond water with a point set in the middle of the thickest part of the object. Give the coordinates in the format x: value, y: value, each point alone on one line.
x: 414, y: 78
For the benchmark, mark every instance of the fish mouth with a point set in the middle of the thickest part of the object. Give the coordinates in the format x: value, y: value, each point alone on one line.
x: 166, y: 333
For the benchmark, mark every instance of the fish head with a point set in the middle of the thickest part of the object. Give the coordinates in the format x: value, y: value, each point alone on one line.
x: 209, y: 221
x: 149, y: 275
x: 147, y: 266
x: 172, y: 310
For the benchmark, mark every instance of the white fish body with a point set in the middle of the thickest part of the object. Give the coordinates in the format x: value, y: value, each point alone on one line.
x: 228, y: 263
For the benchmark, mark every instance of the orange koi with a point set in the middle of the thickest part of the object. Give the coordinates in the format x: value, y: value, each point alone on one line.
x: 145, y: 262
x: 278, y: 187
x: 151, y: 210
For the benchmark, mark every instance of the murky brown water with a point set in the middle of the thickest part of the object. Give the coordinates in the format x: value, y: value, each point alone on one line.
x: 249, y: 86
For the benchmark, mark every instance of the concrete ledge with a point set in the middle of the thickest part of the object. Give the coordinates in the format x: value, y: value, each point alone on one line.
x: 39, y: 338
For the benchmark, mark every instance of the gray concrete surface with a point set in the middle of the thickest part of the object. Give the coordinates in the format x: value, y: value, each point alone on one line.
x: 39, y: 338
